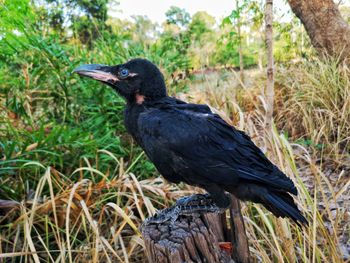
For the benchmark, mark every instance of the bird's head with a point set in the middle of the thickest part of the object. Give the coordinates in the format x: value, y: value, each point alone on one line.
x: 135, y: 80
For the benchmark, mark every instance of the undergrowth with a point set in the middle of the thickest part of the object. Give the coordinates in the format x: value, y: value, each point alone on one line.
x: 75, y: 188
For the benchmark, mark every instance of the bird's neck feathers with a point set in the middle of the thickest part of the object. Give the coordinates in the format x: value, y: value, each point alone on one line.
x: 150, y: 91
x: 153, y: 86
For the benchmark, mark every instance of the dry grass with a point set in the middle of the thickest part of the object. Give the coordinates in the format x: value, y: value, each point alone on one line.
x: 314, y: 102
x: 83, y: 221
x: 97, y: 220
x: 323, y: 186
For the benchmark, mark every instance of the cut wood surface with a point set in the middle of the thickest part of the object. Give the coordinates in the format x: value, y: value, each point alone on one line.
x: 192, y: 238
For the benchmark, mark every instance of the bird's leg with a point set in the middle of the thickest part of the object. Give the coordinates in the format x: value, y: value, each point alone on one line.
x: 200, y: 209
x: 208, y: 205
x: 195, y: 199
x: 217, y: 201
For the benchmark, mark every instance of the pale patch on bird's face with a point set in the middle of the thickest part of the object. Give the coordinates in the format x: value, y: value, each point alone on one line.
x: 139, y: 98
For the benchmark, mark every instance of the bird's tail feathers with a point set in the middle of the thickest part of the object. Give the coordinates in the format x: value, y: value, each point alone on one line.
x: 282, y: 204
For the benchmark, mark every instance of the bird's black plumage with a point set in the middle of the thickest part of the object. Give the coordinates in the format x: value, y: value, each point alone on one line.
x: 189, y: 143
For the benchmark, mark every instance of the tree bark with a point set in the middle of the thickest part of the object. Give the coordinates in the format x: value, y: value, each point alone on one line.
x: 238, y: 237
x: 269, y: 92
x: 328, y: 31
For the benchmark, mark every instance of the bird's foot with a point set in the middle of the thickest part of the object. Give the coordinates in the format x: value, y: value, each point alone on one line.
x: 185, y: 206
x: 171, y: 214
x: 168, y: 214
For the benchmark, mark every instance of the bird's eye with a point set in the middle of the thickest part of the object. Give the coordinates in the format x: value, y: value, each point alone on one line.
x: 124, y: 73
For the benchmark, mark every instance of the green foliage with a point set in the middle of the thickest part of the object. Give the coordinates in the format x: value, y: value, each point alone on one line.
x: 201, y: 24
x: 177, y: 16
x: 143, y: 28
x: 13, y: 11
x: 54, y: 118
x: 172, y: 48
x: 227, y: 50
x: 13, y: 14
x: 232, y: 38
x: 86, y: 18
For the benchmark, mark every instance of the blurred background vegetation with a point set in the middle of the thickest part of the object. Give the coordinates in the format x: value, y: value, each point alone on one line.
x: 73, y: 184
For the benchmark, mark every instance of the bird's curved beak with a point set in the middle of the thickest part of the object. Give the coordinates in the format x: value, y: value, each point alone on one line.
x: 99, y: 72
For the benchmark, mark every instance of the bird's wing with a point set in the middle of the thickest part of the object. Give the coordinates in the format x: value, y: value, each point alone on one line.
x: 204, y: 141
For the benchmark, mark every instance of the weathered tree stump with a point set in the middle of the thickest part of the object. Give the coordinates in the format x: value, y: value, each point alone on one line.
x: 192, y: 238
x: 197, y: 237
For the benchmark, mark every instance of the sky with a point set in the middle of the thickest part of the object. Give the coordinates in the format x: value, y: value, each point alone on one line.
x: 155, y: 9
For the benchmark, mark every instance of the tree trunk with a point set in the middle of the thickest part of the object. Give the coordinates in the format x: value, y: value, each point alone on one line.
x: 240, y: 51
x: 269, y: 92
x: 328, y: 31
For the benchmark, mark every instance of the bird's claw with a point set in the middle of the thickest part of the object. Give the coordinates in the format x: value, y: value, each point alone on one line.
x: 168, y: 214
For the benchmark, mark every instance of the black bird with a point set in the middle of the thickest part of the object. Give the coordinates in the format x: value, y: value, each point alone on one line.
x: 189, y: 143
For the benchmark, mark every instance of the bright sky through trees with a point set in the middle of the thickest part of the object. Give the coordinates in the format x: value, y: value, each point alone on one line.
x: 155, y: 9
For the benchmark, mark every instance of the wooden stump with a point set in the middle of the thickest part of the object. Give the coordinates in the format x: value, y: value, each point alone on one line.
x: 192, y: 238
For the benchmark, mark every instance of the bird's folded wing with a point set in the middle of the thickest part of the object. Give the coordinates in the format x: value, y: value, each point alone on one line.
x: 204, y: 141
